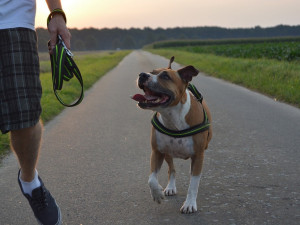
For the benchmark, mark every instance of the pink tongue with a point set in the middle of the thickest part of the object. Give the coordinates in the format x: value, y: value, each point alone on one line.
x: 138, y: 98
x: 142, y: 98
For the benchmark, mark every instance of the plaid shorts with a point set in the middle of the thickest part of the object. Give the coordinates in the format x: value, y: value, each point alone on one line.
x: 20, y: 86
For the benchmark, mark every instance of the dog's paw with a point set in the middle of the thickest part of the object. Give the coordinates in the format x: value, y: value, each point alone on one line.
x: 157, y: 193
x: 189, y: 207
x: 170, y: 190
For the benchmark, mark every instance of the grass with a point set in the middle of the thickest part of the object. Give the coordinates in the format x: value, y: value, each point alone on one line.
x: 92, y: 66
x: 277, y: 79
x: 207, y: 42
x: 288, y: 51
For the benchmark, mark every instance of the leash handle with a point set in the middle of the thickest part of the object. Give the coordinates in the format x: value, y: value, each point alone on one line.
x: 63, y: 69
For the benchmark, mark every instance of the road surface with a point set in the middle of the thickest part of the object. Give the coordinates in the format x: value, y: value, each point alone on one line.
x: 95, y: 159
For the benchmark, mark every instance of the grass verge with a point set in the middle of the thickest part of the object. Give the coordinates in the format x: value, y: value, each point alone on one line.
x: 277, y: 79
x: 92, y: 66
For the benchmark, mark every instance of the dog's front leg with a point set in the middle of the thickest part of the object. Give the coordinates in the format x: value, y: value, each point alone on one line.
x: 171, y: 187
x: 155, y: 188
x: 190, y: 204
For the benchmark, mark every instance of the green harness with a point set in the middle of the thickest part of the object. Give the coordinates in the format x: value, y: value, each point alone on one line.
x: 186, y: 132
x: 63, y: 69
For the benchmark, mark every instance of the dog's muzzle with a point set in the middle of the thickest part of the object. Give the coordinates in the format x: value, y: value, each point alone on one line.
x: 143, y: 77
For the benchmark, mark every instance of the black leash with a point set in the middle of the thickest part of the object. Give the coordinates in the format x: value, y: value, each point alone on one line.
x: 186, y: 132
x: 63, y: 69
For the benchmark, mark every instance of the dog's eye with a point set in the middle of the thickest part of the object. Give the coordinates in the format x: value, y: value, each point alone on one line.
x: 165, y: 76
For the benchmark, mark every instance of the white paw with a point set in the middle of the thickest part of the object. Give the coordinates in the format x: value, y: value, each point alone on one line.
x: 170, y: 190
x: 157, y: 193
x: 189, y: 206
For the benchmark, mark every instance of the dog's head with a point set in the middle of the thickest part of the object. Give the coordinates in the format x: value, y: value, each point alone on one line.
x: 163, y: 87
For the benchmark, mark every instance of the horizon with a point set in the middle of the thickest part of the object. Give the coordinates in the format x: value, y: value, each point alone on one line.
x: 142, y: 28
x: 154, y: 14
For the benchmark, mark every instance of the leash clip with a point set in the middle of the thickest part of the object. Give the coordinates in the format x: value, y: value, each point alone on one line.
x: 60, y: 40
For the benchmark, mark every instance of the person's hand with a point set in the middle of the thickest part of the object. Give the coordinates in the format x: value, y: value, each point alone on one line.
x: 57, y: 26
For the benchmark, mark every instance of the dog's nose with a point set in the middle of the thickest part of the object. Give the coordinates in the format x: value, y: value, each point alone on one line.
x: 143, y: 77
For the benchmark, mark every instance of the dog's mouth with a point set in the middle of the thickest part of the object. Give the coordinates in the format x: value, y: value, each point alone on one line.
x: 152, y: 98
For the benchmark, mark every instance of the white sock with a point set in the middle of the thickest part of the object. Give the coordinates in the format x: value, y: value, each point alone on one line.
x: 28, y: 187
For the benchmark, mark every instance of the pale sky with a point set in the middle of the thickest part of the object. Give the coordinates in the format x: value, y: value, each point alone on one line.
x: 174, y: 13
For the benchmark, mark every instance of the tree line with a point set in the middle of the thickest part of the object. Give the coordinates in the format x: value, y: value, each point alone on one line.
x: 135, y: 38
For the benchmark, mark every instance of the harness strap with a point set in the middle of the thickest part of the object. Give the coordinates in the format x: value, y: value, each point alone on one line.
x: 186, y: 132
x: 63, y: 69
x: 195, y: 92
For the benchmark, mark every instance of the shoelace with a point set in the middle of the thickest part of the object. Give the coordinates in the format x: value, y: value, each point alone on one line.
x: 40, y: 202
x: 63, y: 69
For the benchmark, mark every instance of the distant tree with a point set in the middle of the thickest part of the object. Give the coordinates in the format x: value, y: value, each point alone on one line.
x: 43, y: 38
x: 116, y: 43
x: 78, y: 45
x: 128, y: 43
x: 150, y: 38
x: 105, y: 39
x: 161, y: 37
x: 91, y: 42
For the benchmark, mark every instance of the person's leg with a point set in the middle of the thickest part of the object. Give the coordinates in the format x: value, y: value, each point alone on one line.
x: 26, y: 144
x: 20, y: 109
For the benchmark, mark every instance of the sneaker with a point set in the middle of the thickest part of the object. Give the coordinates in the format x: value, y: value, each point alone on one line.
x: 43, y: 205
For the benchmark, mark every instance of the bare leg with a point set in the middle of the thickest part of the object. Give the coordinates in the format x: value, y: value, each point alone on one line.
x: 26, y: 144
x: 171, y: 187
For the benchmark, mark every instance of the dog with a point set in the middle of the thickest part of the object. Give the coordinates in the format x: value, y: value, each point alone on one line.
x: 176, y: 109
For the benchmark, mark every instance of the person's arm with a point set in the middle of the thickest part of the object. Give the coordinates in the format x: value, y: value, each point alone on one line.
x: 57, y: 25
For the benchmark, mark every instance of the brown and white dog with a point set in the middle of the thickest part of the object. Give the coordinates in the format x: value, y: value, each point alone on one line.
x: 166, y: 93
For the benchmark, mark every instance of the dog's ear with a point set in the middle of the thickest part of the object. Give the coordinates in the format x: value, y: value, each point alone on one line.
x: 187, y: 73
x: 171, y: 60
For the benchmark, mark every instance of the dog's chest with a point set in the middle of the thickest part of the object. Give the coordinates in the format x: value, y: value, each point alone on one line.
x: 174, y: 117
x: 175, y: 147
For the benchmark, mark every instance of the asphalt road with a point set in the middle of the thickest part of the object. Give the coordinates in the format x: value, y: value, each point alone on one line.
x: 95, y: 159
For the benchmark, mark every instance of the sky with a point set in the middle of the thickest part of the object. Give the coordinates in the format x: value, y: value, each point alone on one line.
x: 174, y: 13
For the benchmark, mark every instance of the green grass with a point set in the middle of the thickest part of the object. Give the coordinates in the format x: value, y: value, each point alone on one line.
x: 288, y: 51
x: 92, y: 66
x: 4, y: 145
x: 283, y: 48
x: 205, y: 42
x: 277, y: 79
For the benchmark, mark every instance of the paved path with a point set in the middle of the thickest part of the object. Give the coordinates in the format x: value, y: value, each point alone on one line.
x: 95, y: 159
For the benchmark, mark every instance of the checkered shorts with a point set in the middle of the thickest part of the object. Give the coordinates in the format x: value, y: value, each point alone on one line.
x: 20, y: 86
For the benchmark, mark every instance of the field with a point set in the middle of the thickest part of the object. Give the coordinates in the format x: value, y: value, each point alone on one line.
x: 287, y: 51
x: 92, y: 66
x: 277, y: 48
x: 269, y: 66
